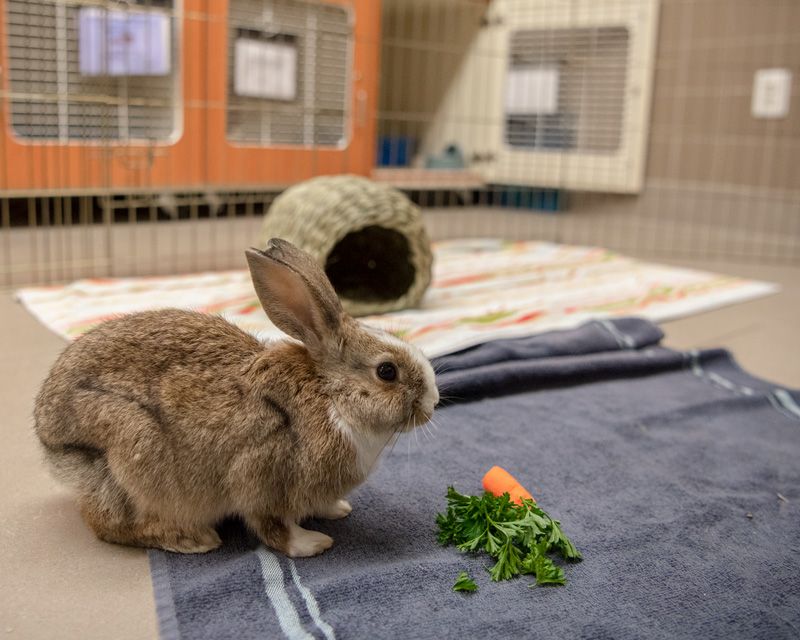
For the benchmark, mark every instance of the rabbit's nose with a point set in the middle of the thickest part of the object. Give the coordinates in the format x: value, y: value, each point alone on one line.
x: 430, y: 399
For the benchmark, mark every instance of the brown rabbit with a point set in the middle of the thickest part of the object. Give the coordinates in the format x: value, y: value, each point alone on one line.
x: 165, y: 422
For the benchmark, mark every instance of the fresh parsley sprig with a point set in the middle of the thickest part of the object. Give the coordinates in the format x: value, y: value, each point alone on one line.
x: 465, y: 583
x: 518, y: 537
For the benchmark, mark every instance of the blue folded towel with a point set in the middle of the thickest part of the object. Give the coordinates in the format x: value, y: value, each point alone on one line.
x: 676, y: 474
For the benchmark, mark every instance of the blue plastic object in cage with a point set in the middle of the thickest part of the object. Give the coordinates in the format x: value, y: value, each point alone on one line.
x: 395, y: 151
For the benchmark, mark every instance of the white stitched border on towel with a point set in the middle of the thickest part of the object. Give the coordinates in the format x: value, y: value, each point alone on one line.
x: 780, y: 399
x: 311, y: 603
x: 288, y: 618
x: 623, y: 339
x: 272, y: 574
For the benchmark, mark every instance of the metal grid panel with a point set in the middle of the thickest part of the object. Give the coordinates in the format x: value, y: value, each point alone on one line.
x: 51, y: 100
x: 318, y: 114
x: 591, y: 65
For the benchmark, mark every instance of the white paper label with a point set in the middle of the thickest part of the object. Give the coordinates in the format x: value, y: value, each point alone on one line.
x: 772, y: 89
x: 532, y: 91
x: 123, y: 43
x: 265, y: 69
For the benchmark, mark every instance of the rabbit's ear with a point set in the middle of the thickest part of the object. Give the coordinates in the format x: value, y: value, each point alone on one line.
x: 296, y: 293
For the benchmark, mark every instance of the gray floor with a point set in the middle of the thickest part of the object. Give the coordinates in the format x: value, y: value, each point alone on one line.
x: 58, y: 581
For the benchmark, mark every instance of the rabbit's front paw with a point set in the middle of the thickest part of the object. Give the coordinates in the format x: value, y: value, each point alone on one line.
x: 335, y: 510
x: 304, y: 543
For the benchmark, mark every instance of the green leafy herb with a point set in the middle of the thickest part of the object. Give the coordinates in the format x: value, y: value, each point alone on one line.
x: 518, y: 537
x: 465, y: 583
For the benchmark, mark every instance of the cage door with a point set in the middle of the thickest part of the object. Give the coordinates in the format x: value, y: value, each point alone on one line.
x: 554, y: 94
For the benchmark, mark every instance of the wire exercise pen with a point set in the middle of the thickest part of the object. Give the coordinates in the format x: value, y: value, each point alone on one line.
x: 622, y: 123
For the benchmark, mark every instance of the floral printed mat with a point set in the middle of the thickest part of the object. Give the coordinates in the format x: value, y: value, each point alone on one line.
x: 482, y: 290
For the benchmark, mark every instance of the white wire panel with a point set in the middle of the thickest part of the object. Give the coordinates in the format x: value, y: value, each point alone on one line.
x: 582, y: 107
x: 51, y: 98
x: 316, y: 112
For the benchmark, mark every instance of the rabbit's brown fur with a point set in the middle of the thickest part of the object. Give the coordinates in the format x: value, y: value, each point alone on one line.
x: 165, y: 422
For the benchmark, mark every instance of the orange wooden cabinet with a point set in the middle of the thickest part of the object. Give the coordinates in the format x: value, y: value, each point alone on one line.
x: 66, y: 130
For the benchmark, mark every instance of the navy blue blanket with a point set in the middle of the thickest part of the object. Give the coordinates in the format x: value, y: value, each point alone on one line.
x: 676, y: 474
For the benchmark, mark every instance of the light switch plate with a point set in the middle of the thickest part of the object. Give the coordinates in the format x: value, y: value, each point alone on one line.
x: 771, y: 93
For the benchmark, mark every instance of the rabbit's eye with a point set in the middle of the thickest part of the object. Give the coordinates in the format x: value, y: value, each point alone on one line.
x: 387, y: 371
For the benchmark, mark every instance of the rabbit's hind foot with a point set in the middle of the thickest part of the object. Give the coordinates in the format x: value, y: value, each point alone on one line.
x: 149, y: 533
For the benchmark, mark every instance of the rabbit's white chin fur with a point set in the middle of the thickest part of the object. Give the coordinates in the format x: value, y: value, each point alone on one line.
x: 368, y: 445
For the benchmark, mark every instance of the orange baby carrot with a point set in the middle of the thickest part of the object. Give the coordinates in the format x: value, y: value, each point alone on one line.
x: 498, y: 481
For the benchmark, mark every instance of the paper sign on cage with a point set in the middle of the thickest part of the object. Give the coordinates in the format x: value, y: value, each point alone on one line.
x: 264, y: 69
x: 122, y: 43
x: 532, y: 91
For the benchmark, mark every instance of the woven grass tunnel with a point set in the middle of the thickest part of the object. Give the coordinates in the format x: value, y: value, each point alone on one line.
x: 368, y: 237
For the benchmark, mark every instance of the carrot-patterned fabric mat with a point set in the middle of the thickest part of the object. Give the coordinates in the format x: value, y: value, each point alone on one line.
x: 482, y: 290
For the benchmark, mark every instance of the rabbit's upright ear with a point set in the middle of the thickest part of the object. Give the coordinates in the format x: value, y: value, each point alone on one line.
x: 296, y: 294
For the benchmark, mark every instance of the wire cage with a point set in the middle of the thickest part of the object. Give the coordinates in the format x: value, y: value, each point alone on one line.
x: 630, y: 124
x: 150, y: 136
